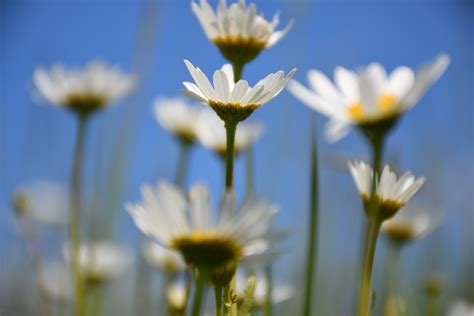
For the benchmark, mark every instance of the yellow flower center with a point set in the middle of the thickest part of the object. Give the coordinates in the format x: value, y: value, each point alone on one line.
x: 356, y: 111
x: 84, y: 103
x: 207, y: 249
x: 384, y: 208
x: 386, y: 101
x: 232, y: 111
x: 400, y: 232
x: 239, y: 49
x: 385, y: 104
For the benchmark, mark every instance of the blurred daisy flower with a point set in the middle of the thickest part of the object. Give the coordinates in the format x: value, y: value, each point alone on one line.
x: 237, y: 30
x: 178, y: 117
x: 412, y: 222
x: 43, y: 201
x: 184, y: 224
x: 82, y: 90
x: 101, y: 261
x: 461, y: 308
x: 55, y: 280
x: 370, y: 99
x: 391, y: 193
x: 164, y: 259
x: 177, y: 298
x: 212, y: 134
x: 233, y: 102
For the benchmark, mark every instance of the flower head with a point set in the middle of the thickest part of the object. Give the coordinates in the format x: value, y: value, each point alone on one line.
x: 370, y: 99
x: 461, y: 308
x: 44, y: 201
x: 101, y: 261
x: 391, y: 194
x: 82, y: 90
x: 184, y: 224
x: 54, y: 280
x: 178, y: 117
x: 237, y: 30
x: 233, y: 101
x: 167, y: 260
x: 212, y: 134
x: 410, y: 223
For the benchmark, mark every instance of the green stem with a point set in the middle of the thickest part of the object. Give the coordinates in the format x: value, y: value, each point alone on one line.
x: 250, y: 174
x: 228, y: 300
x: 183, y: 163
x: 364, y: 306
x: 238, y: 69
x: 198, y: 294
x: 74, y: 219
x: 231, y: 128
x: 268, y: 308
x: 218, y: 297
x: 312, y: 236
x: 371, y: 233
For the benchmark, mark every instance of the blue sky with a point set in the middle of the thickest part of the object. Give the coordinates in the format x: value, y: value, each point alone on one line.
x: 435, y: 139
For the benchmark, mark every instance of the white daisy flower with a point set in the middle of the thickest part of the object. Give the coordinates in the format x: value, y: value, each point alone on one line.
x: 44, y: 201
x: 178, y: 117
x: 212, y: 134
x: 410, y: 223
x: 55, y: 280
x: 233, y: 101
x: 461, y: 308
x: 101, y: 261
x: 167, y: 260
x: 82, y: 90
x: 280, y: 292
x: 184, y: 224
x: 239, y: 32
x: 177, y: 298
x: 370, y: 98
x: 391, y: 194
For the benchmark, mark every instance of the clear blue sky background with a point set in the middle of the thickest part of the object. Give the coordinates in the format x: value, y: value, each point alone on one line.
x: 153, y: 38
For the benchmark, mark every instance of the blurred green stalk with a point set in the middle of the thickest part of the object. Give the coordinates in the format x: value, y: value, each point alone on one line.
x: 268, y: 308
x: 313, y: 212
x: 74, y: 217
x: 218, y: 297
x: 183, y: 162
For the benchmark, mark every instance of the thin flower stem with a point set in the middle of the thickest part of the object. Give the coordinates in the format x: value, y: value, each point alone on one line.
x: 231, y: 128
x: 372, y: 231
x: 268, y: 308
x: 218, y: 297
x: 183, y: 163
x: 250, y: 174
x: 238, y: 70
x: 364, y: 307
x: 198, y: 294
x: 74, y: 219
x: 312, y: 236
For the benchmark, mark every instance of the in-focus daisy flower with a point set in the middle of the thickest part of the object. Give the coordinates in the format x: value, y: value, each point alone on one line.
x: 370, y: 99
x: 461, y: 308
x: 164, y: 259
x: 82, y: 90
x: 233, y: 102
x: 43, y: 201
x: 55, y: 280
x: 237, y: 30
x: 101, y: 261
x: 178, y: 117
x: 212, y: 134
x: 410, y: 223
x: 184, y: 224
x: 391, y: 193
x: 280, y: 292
